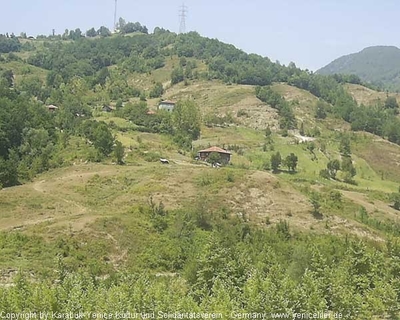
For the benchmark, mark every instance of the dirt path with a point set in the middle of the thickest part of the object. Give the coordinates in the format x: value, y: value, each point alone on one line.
x: 40, y: 187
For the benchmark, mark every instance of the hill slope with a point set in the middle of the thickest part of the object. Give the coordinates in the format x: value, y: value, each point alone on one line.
x: 379, y: 65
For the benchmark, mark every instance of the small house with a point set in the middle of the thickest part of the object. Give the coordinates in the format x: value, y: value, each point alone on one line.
x: 167, y: 105
x: 107, y: 109
x: 224, y: 154
x: 52, y: 108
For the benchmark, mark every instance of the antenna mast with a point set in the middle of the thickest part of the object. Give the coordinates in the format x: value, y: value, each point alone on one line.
x: 183, y: 14
x: 115, y: 15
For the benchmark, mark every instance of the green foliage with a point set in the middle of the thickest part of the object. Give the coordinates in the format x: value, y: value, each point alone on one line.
x: 132, y: 27
x: 391, y: 103
x: 276, y: 161
x: 291, y: 162
x: 119, y: 152
x: 395, y: 198
x: 378, y: 65
x: 315, y: 200
x: 177, y: 76
x: 333, y: 166
x: 91, y: 33
x: 267, y: 95
x: 214, y: 158
x: 157, y: 91
x: 347, y: 166
x: 211, y: 119
x: 100, y: 135
x: 344, y: 146
x: 187, y: 119
x: 9, y: 44
x: 320, y: 112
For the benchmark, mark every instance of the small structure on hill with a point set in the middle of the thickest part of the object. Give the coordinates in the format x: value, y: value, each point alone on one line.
x: 52, y: 108
x: 167, y: 105
x: 225, y: 156
x: 107, y: 108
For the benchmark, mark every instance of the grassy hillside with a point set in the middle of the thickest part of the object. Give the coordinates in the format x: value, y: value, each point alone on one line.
x: 90, y: 219
x: 368, y: 96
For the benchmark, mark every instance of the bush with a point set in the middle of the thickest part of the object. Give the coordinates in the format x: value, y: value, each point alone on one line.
x: 151, y: 156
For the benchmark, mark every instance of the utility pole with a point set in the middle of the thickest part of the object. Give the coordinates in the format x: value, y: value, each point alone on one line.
x: 182, y: 15
x: 115, y: 15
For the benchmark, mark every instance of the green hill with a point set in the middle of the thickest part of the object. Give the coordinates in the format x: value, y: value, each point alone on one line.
x: 91, y: 220
x: 378, y: 65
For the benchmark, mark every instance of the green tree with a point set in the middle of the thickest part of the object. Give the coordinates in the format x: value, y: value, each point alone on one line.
x: 104, y: 32
x: 119, y: 152
x: 157, y: 91
x: 344, y: 146
x: 347, y: 166
x: 103, y: 139
x: 187, y: 118
x: 121, y: 23
x: 333, y: 166
x: 291, y: 162
x: 177, y: 76
x: 119, y: 104
x: 320, y: 112
x: 276, y: 161
x: 315, y: 200
x: 214, y: 158
x: 391, y: 103
x: 91, y: 33
x: 395, y: 198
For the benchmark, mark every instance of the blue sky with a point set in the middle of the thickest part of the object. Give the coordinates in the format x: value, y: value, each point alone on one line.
x: 310, y: 33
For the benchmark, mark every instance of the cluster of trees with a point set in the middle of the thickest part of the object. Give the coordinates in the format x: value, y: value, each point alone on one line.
x: 184, y: 72
x: 226, y: 266
x: 102, y: 32
x: 99, y: 135
x: 90, y: 59
x: 32, y: 137
x: 346, y: 167
x: 85, y: 57
x: 130, y: 27
x: 27, y: 136
x: 290, y: 162
x: 184, y: 123
x: 380, y: 119
x: 9, y: 44
x: 276, y: 101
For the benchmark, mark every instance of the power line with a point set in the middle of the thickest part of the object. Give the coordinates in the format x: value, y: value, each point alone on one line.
x: 182, y: 15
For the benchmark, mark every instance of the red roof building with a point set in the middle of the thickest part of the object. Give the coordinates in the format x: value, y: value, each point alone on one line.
x: 224, y: 154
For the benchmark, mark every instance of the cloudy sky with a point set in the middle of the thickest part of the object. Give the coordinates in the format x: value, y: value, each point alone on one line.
x: 310, y: 33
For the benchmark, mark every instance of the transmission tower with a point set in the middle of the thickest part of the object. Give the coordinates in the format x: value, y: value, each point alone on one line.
x: 115, y: 15
x: 182, y: 15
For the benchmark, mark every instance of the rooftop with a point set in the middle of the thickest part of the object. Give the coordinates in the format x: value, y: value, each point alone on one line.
x: 215, y: 149
x: 167, y: 102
